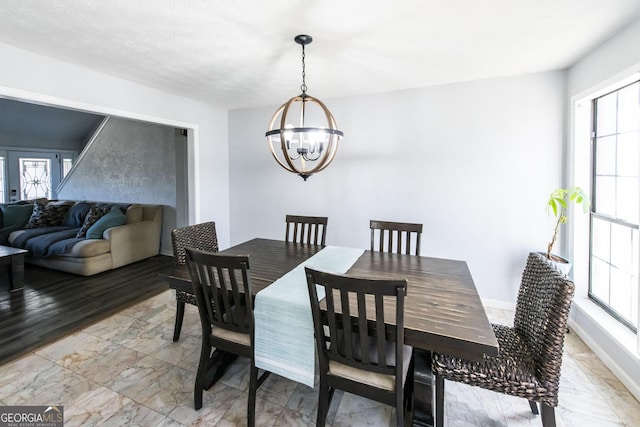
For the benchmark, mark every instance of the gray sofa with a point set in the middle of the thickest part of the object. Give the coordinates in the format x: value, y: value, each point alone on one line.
x: 136, y: 239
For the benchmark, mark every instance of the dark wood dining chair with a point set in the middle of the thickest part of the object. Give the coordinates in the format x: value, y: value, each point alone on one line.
x: 199, y: 236
x: 306, y: 229
x: 530, y: 357
x: 357, y: 354
x: 391, y: 235
x: 223, y: 294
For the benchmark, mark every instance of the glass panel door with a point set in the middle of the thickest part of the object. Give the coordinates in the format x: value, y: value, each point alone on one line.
x: 33, y: 175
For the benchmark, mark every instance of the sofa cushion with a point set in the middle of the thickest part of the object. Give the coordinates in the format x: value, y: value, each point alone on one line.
x: 94, y: 214
x: 88, y: 248
x: 108, y: 205
x: 134, y: 214
x: 76, y: 214
x: 112, y: 218
x: 48, y: 215
x: 15, y: 215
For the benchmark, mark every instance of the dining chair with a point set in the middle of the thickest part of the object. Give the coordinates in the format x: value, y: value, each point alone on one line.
x: 199, y: 236
x: 393, y: 234
x: 357, y: 353
x: 306, y: 229
x: 530, y: 357
x: 223, y: 294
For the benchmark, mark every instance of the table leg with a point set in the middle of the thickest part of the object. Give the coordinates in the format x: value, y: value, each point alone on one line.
x: 220, y: 361
x: 16, y: 273
x: 422, y: 389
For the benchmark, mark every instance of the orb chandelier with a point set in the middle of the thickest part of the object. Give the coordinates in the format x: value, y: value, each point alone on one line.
x: 296, y: 144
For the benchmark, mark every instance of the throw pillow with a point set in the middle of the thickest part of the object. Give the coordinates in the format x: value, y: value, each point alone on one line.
x: 94, y: 214
x: 15, y: 215
x: 76, y: 215
x: 112, y: 218
x: 48, y: 215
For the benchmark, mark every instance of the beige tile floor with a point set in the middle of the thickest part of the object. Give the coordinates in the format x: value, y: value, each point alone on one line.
x: 126, y: 371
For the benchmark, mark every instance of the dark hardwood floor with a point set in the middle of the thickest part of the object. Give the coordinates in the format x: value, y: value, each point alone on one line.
x: 54, y: 304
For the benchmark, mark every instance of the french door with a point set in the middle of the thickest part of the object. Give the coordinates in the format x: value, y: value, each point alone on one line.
x: 32, y: 175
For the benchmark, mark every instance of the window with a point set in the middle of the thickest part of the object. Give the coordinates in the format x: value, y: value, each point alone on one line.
x: 67, y: 163
x: 613, y: 281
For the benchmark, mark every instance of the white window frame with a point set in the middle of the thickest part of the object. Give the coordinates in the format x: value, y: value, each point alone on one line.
x: 579, y: 173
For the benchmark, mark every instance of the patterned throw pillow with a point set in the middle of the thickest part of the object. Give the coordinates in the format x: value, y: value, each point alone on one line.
x: 94, y: 214
x: 48, y: 215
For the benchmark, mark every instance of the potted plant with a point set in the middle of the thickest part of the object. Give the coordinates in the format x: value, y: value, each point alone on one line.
x: 558, y: 204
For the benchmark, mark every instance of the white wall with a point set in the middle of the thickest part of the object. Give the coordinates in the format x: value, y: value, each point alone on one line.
x: 474, y: 162
x: 25, y: 75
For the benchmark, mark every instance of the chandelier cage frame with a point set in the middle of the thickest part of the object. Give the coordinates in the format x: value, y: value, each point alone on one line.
x: 316, y: 145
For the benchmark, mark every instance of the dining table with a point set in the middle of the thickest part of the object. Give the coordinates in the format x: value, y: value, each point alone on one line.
x: 442, y: 312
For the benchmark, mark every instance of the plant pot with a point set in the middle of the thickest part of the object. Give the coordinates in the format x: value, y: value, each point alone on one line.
x: 561, y: 263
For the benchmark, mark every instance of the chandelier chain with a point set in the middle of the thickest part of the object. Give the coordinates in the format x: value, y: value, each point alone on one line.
x: 303, y: 87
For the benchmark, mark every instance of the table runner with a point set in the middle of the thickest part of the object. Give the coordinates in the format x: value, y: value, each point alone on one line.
x: 284, y: 340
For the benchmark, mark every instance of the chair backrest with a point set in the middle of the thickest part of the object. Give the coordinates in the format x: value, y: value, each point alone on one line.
x: 391, y: 236
x: 354, y: 318
x: 306, y: 229
x: 542, y: 310
x: 223, y: 291
x: 199, y: 236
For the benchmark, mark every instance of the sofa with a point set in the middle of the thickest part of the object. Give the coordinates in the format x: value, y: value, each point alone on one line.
x: 82, y: 237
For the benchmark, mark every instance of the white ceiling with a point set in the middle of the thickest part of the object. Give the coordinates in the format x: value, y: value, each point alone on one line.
x: 236, y: 54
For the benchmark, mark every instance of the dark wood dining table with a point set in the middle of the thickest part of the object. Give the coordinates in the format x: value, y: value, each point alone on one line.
x: 443, y: 311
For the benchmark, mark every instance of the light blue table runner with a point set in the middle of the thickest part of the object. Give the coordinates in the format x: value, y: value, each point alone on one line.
x: 284, y: 342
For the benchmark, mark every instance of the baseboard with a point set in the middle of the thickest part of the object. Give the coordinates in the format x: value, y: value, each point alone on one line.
x: 500, y: 305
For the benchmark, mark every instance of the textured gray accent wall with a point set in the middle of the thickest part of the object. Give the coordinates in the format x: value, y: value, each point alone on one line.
x: 131, y: 162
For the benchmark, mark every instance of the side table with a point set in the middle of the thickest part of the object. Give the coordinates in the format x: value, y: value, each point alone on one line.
x: 14, y: 259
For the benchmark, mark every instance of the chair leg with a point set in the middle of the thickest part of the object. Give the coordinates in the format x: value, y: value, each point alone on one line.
x: 201, y: 375
x: 439, y: 380
x: 400, y: 408
x: 179, y: 317
x: 251, y: 405
x: 548, y: 415
x: 324, y: 399
x: 534, y: 407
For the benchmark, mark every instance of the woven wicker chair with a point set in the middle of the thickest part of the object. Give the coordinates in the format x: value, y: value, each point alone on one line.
x: 530, y: 356
x: 311, y: 230
x: 199, y: 236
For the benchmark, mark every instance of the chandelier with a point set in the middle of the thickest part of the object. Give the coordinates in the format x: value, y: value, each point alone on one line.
x: 303, y: 148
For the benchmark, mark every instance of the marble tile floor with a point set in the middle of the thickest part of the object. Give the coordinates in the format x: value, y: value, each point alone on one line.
x: 126, y: 371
